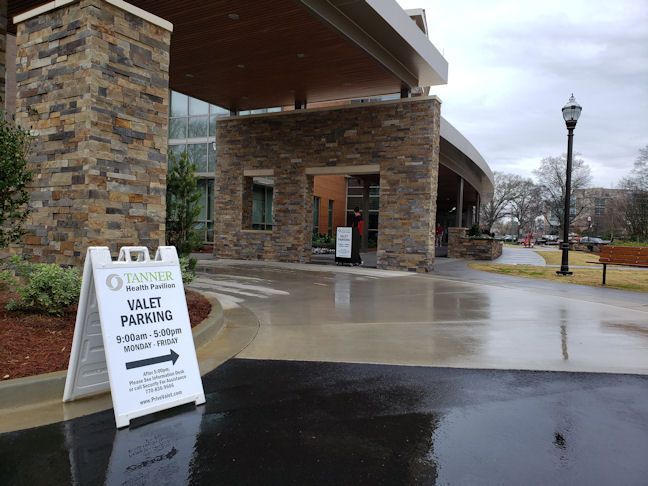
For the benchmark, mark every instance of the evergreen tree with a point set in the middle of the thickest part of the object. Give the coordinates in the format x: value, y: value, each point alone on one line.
x: 182, y: 207
x: 14, y: 177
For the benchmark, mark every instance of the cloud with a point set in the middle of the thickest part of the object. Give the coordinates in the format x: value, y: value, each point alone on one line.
x: 514, y: 64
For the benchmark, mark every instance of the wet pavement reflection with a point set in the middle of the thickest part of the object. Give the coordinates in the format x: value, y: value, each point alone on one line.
x: 287, y: 422
x: 374, y: 316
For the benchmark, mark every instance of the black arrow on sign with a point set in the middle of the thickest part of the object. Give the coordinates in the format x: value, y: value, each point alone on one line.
x: 172, y: 356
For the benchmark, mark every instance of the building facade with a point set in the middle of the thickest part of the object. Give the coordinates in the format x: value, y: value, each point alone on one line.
x: 100, y: 82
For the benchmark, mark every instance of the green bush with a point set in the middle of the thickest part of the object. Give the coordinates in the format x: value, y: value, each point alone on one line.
x: 474, y: 230
x: 7, y: 280
x: 14, y: 179
x: 188, y: 269
x: 322, y: 240
x: 47, y: 288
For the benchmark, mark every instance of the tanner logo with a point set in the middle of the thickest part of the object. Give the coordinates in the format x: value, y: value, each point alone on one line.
x: 114, y: 282
x: 148, y: 277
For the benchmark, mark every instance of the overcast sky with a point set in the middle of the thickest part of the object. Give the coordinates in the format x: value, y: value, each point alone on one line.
x: 513, y: 65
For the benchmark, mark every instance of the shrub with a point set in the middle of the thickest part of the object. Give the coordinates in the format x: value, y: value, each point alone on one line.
x: 14, y: 196
x: 7, y: 280
x: 188, y: 269
x: 322, y: 240
x: 474, y: 230
x: 47, y: 288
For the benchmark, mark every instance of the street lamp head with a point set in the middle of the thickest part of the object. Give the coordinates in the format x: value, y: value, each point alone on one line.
x: 571, y: 111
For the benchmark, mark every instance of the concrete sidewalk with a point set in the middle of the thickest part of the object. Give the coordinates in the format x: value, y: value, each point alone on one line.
x: 457, y: 268
x: 521, y: 256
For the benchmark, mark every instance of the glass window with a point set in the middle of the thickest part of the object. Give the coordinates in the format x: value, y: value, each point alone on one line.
x: 373, y: 221
x: 176, y: 150
x: 330, y: 218
x: 210, y: 232
x: 316, y: 205
x: 197, y: 153
x: 262, y: 207
x: 211, y: 157
x: 268, y: 205
x: 218, y: 111
x: 205, y: 223
x: 178, y: 128
x: 212, y: 125
x: 198, y: 126
x: 354, y: 201
x: 198, y: 107
x: 210, y: 199
x: 202, y: 185
x: 178, y: 104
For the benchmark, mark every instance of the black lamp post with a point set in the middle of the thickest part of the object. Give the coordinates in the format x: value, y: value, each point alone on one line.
x: 571, y: 111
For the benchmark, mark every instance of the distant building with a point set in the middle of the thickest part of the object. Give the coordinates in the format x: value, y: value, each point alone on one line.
x: 595, y: 211
x: 603, y: 212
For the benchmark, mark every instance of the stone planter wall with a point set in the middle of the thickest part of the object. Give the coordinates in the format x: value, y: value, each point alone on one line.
x: 460, y: 246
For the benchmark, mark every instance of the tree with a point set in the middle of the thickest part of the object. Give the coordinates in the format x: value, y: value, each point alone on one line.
x: 15, y: 175
x: 636, y: 210
x: 551, y: 180
x: 526, y: 205
x: 504, y: 190
x: 182, y: 208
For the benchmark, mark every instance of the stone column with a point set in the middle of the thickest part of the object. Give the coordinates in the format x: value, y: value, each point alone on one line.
x: 408, y: 188
x: 93, y: 83
x: 459, y: 214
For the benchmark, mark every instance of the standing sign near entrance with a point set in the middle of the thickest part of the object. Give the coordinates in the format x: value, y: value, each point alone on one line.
x: 343, y: 237
x: 133, y: 334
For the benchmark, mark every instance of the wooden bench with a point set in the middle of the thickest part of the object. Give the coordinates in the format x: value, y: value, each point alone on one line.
x: 626, y: 256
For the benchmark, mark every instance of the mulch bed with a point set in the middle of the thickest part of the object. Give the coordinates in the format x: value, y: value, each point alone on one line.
x: 32, y: 343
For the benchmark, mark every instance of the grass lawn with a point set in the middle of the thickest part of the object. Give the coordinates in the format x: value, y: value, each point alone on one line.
x: 635, y: 279
x: 575, y: 258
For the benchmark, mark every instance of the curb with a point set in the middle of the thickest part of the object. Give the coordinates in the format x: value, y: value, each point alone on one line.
x: 32, y: 390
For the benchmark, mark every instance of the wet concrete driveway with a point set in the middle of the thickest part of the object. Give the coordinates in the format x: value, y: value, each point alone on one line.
x: 361, y: 376
x: 309, y: 312
x: 279, y: 422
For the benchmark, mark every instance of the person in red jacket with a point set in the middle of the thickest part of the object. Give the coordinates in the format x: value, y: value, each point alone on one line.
x: 356, y: 233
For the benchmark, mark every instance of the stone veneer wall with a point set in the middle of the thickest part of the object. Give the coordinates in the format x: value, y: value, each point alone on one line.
x: 401, y: 137
x: 460, y: 246
x: 93, y: 84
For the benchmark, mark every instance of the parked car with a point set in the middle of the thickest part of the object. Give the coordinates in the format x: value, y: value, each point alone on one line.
x: 592, y: 239
x: 550, y: 239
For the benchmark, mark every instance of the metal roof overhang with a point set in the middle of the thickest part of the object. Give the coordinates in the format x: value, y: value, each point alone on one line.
x: 459, y: 155
x: 246, y: 54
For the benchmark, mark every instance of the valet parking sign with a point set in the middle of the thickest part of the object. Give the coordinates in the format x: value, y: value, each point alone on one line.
x: 148, y: 346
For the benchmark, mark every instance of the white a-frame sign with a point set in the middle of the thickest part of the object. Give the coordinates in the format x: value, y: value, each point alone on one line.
x: 133, y: 334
